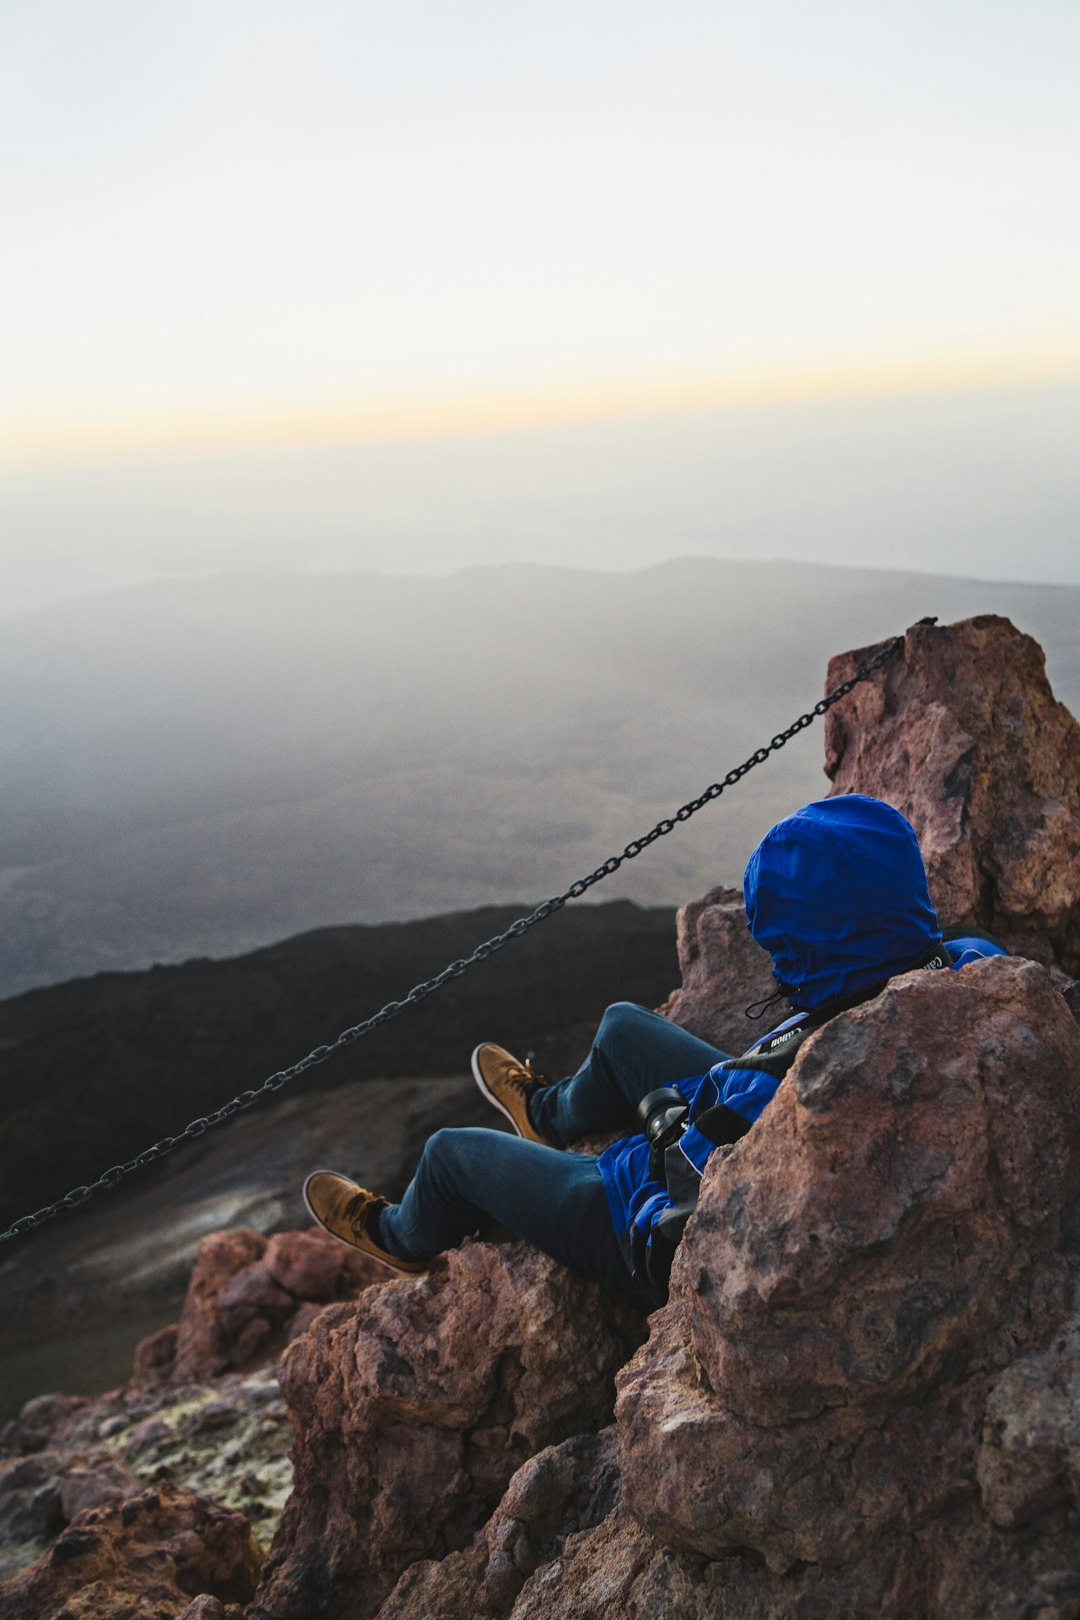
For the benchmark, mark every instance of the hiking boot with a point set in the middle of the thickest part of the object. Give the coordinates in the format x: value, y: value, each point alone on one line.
x: 508, y: 1085
x: 343, y: 1209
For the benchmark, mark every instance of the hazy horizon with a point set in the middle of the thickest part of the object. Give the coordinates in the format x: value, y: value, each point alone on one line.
x: 973, y: 485
x: 75, y: 597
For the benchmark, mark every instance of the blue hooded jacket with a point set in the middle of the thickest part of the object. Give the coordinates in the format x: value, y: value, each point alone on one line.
x: 837, y: 894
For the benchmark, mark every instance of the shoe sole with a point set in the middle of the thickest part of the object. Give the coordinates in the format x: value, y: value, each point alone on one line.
x: 316, y: 1217
x: 489, y: 1094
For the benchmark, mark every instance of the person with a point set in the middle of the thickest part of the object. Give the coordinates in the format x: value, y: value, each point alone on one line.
x: 837, y: 894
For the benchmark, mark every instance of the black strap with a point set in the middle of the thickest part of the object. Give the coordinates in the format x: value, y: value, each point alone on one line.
x: 721, y: 1124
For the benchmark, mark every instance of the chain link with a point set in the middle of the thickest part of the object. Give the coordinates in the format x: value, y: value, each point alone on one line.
x: 420, y: 992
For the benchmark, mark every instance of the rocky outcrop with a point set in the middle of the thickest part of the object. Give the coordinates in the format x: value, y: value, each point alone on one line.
x: 414, y: 1407
x: 244, y: 1300
x: 148, y: 1556
x: 723, y: 971
x: 962, y: 733
x: 862, y: 1397
x: 869, y: 1322
x: 558, y: 1494
x: 227, y: 1440
x: 188, y: 1417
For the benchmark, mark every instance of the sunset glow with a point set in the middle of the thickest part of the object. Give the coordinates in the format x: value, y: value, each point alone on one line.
x: 391, y: 416
x: 243, y: 225
x: 268, y: 231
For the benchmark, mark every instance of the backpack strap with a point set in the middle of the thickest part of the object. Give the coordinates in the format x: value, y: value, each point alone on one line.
x: 652, y: 1250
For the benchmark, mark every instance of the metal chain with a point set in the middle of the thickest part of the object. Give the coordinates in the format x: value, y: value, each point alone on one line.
x: 420, y: 992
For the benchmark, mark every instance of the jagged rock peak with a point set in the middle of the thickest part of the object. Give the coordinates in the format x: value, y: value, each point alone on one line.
x: 962, y: 734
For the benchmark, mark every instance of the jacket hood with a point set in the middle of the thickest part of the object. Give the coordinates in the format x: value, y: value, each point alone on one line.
x: 837, y: 895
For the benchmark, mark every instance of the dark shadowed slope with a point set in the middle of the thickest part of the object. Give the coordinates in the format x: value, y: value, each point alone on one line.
x: 97, y: 1069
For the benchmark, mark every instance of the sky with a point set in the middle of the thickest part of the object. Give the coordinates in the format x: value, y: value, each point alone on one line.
x: 416, y: 286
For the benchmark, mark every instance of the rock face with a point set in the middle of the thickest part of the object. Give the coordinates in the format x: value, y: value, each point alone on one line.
x: 245, y: 1295
x: 149, y: 1556
x: 187, y: 1418
x: 723, y: 972
x: 869, y: 1333
x: 227, y: 1440
x: 962, y: 733
x: 413, y: 1407
x: 558, y: 1494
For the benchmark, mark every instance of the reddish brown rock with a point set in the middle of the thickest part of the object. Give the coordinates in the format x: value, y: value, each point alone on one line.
x: 201, y: 1347
x: 315, y: 1267
x: 862, y: 1269
x: 562, y: 1491
x: 723, y: 971
x: 620, y: 1570
x: 251, y: 1293
x: 208, y: 1608
x: 155, y: 1358
x: 244, y: 1300
x: 148, y: 1556
x: 303, y: 1320
x: 1029, y: 1460
x: 414, y: 1407
x: 963, y: 735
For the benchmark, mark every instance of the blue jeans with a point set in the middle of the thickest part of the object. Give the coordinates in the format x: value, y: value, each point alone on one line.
x: 555, y: 1200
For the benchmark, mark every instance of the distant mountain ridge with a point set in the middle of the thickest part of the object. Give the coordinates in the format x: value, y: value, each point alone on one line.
x: 201, y: 767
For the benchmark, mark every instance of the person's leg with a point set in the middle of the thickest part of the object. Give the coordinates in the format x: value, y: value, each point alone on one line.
x: 635, y: 1050
x: 554, y: 1200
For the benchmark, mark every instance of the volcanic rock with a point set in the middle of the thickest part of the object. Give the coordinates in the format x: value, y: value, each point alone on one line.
x: 561, y: 1492
x: 84, y: 1487
x: 312, y: 1266
x: 245, y: 1298
x: 862, y: 1271
x: 201, y: 1347
x: 147, y: 1556
x: 30, y: 1503
x: 723, y: 970
x: 39, y: 1421
x: 204, y: 1607
x: 413, y: 1408
x: 227, y: 1440
x: 963, y: 735
x: 155, y: 1358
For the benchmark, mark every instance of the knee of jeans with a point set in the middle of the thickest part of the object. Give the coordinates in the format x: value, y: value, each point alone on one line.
x: 443, y: 1143
x: 618, y: 1016
x: 438, y: 1160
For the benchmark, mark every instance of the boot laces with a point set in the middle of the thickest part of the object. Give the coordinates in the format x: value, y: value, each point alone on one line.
x: 522, y: 1076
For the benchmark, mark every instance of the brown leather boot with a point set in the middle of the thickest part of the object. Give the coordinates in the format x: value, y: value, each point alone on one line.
x: 343, y: 1209
x: 508, y: 1084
